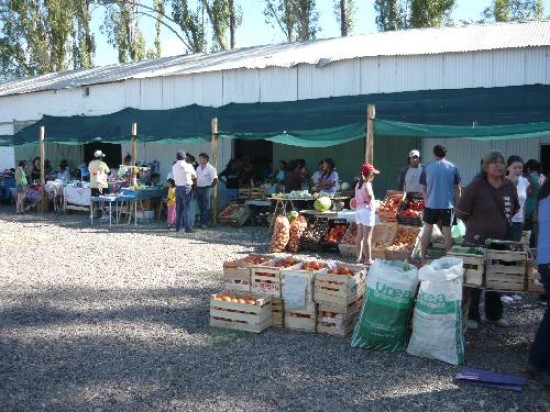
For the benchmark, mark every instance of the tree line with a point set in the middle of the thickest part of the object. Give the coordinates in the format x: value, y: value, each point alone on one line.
x: 44, y: 36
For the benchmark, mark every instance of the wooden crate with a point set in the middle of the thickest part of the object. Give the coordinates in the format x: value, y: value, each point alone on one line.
x: 241, y: 316
x: 391, y: 195
x: 236, y: 273
x: 473, y: 264
x: 265, y: 279
x: 246, y: 193
x: 338, y: 320
x: 340, y: 289
x: 278, y: 312
x: 298, y: 271
x: 304, y: 320
x: 397, y: 252
x: 506, y: 269
x: 383, y: 235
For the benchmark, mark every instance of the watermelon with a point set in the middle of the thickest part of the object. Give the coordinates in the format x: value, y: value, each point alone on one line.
x: 322, y: 204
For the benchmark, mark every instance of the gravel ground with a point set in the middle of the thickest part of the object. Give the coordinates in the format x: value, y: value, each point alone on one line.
x: 92, y: 320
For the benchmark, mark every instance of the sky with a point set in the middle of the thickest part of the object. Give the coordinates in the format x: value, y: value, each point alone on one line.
x: 254, y: 30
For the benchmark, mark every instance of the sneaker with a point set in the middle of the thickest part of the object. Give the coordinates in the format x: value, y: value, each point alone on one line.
x: 516, y: 297
x: 503, y: 323
x: 473, y: 325
x: 506, y: 299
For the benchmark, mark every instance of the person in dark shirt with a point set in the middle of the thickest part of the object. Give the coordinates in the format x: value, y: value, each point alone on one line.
x: 231, y: 177
x: 293, y: 179
x: 487, y: 206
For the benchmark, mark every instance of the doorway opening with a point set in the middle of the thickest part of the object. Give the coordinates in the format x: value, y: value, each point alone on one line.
x: 545, y: 158
x: 113, y: 153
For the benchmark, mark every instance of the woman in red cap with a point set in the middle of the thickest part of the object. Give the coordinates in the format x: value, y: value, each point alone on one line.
x: 364, y: 214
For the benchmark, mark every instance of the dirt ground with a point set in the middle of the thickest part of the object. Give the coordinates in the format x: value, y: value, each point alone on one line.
x: 99, y: 320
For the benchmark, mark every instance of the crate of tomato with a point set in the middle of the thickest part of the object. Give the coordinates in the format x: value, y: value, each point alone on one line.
x: 389, y: 207
x: 410, y: 212
x: 335, y: 234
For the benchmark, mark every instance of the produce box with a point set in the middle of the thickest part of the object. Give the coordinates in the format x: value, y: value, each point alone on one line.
x: 388, y: 208
x: 266, y: 278
x: 403, y: 243
x: 383, y: 235
x: 316, y: 230
x: 410, y: 211
x: 335, y: 234
x: 246, y: 193
x: 473, y: 263
x: 347, y: 245
x: 308, y: 270
x: 234, y: 215
x: 506, y: 266
x: 304, y: 320
x: 278, y: 312
x: 341, y: 285
x: 236, y: 274
x: 338, y: 321
x: 240, y: 312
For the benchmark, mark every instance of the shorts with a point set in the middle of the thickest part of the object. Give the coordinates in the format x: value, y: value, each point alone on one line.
x: 443, y: 217
x: 365, y: 217
x: 19, y: 189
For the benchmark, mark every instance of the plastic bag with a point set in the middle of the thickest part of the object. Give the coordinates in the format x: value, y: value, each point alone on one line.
x: 297, y: 228
x: 437, y: 319
x: 458, y: 231
x: 391, y: 286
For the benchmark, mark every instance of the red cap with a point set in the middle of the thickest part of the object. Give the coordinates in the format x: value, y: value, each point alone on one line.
x: 367, y: 168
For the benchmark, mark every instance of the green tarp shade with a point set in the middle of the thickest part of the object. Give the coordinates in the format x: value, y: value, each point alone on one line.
x: 474, y: 132
x: 6, y: 140
x: 309, y: 138
x: 458, y: 108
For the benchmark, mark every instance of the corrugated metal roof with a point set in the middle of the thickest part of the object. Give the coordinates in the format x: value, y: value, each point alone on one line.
x: 321, y: 52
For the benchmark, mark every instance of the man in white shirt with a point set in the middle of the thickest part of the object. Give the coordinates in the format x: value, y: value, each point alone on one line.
x: 184, y: 175
x: 207, y: 178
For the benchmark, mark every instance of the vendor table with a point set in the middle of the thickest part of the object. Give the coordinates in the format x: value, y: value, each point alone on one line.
x: 282, y: 203
x: 107, y: 199
x: 135, y: 198
x: 77, y: 198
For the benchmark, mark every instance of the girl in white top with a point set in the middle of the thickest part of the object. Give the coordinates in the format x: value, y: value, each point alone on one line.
x: 364, y: 214
x: 514, y: 169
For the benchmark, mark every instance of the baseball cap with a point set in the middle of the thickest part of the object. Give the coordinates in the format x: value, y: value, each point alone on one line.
x: 180, y: 154
x: 414, y: 153
x: 99, y: 153
x: 367, y: 168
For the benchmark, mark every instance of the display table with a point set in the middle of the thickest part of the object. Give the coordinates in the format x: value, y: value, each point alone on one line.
x: 281, y: 203
x: 110, y: 200
x: 134, y: 199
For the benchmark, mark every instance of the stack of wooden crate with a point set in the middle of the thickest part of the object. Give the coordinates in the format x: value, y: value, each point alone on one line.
x: 473, y: 263
x: 339, y: 295
x: 241, y: 312
x: 506, y: 266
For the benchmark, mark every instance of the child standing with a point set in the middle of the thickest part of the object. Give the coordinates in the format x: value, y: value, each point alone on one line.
x: 365, y: 214
x: 171, y: 203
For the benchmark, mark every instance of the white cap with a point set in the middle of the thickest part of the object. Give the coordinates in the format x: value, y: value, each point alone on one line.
x: 99, y: 153
x: 414, y: 153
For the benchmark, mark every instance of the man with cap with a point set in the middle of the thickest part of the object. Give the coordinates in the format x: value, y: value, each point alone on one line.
x: 184, y: 175
x: 409, y: 177
x: 99, y: 172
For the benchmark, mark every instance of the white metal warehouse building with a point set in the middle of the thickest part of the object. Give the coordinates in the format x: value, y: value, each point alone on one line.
x: 477, y: 56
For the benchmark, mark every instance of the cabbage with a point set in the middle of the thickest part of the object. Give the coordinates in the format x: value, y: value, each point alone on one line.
x: 322, y: 204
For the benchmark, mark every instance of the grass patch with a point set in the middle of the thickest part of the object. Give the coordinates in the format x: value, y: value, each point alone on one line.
x: 225, y: 337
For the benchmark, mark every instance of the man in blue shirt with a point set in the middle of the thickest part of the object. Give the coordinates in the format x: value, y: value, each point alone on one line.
x: 440, y: 181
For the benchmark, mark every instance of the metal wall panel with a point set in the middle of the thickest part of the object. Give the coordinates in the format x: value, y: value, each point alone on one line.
x: 387, y: 70
x: 132, y: 93
x: 241, y: 86
x: 458, y: 70
x: 335, y: 79
x: 7, y: 157
x: 151, y: 94
x: 537, y: 63
x: 409, y: 73
x: 278, y: 85
x: 208, y: 89
x: 369, y: 75
x: 182, y: 92
x: 483, y: 69
x: 433, y: 72
x: 508, y: 67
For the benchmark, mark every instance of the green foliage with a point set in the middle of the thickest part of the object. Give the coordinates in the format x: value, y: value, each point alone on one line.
x: 390, y: 15
x: 345, y: 11
x: 297, y: 19
x: 514, y: 10
x: 401, y: 14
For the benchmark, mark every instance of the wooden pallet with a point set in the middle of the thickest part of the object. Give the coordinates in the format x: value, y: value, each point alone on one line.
x: 303, y: 320
x: 241, y: 316
x: 337, y: 320
x: 473, y: 264
x: 506, y: 270
x: 340, y: 289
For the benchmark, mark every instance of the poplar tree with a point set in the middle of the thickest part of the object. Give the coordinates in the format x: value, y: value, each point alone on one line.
x: 297, y: 19
x: 345, y: 12
x: 390, y: 15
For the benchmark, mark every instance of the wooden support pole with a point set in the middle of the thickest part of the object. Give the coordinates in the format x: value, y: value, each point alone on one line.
x: 42, y: 168
x: 134, y: 153
x: 214, y: 162
x: 369, y: 143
